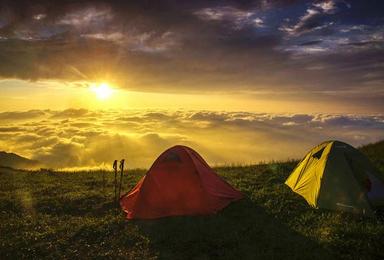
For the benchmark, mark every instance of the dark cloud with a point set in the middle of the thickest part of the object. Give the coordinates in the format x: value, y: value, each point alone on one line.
x: 310, y: 43
x: 10, y: 129
x: 352, y: 121
x: 21, y: 115
x: 379, y: 44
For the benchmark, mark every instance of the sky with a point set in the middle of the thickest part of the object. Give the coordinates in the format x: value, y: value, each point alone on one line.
x: 250, y: 78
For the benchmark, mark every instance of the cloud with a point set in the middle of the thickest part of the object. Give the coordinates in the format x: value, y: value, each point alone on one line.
x: 27, y: 138
x: 314, y: 19
x: 258, y: 22
x: 73, y: 113
x: 10, y: 129
x: 328, y: 7
x: 21, y: 115
x: 197, y: 46
x: 237, y: 17
x: 74, y: 139
x: 62, y: 155
x: 87, y: 17
x: 350, y: 121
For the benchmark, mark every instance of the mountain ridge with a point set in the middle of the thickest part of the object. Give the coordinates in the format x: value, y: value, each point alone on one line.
x: 16, y: 161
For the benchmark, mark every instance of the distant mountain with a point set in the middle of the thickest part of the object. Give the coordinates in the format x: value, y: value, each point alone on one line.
x: 16, y: 161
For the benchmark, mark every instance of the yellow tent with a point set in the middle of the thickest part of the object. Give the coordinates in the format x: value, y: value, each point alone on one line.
x: 334, y: 175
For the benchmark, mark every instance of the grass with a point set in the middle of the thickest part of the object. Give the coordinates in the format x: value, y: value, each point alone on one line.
x: 49, y: 214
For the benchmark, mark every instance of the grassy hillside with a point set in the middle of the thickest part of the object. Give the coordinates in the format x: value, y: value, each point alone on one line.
x: 71, y: 215
x: 375, y: 153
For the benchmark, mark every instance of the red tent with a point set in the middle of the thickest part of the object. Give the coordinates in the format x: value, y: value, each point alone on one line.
x: 179, y: 182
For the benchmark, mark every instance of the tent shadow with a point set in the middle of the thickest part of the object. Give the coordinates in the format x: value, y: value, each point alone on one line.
x: 241, y: 231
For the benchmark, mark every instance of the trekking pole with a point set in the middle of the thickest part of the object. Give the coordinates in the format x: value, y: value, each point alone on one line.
x: 121, y: 175
x: 103, y: 179
x: 115, y: 168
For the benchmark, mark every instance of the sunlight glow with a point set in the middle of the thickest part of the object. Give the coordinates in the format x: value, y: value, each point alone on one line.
x: 102, y: 90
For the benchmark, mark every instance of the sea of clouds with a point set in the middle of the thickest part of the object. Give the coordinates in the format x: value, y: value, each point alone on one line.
x: 75, y: 138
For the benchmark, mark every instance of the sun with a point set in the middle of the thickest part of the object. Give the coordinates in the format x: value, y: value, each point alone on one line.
x: 103, y: 90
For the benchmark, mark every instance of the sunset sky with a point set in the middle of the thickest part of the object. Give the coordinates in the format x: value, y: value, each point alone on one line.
x: 239, y: 81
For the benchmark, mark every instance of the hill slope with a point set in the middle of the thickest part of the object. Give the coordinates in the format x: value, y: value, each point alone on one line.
x: 375, y: 153
x: 16, y: 161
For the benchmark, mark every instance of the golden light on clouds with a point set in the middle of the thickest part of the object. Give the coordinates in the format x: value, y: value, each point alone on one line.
x: 73, y: 138
x: 102, y: 90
